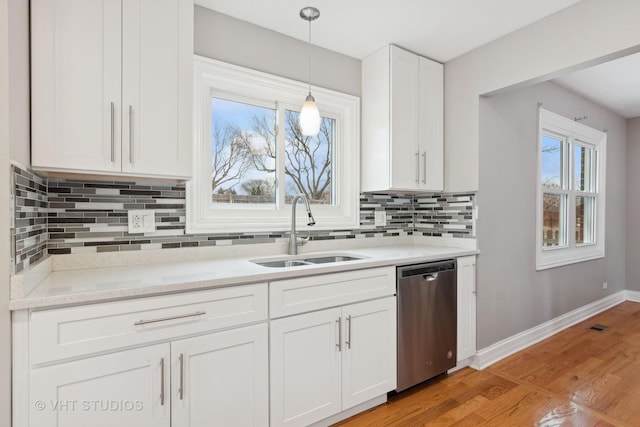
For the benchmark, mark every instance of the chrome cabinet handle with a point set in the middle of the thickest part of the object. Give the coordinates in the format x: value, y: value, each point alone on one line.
x: 113, y: 132
x: 162, y: 381
x: 181, y: 390
x: 130, y: 133
x: 339, y: 322
x: 417, y: 167
x: 424, y: 159
x: 348, y: 341
x: 164, y: 319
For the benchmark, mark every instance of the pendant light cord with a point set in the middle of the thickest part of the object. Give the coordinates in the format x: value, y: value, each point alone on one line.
x: 309, y: 57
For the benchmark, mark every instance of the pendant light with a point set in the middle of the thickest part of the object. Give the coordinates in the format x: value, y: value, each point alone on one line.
x: 309, y: 119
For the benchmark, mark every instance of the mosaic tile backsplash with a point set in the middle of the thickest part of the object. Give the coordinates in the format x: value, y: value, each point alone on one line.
x: 72, y: 216
x: 29, y: 234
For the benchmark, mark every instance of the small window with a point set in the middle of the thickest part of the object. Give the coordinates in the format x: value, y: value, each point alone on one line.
x: 251, y: 159
x: 571, y: 192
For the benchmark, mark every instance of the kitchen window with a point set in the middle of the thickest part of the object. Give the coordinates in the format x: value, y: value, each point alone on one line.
x: 571, y: 191
x: 250, y: 158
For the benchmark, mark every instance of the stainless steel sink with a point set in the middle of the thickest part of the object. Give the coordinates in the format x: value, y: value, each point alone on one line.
x: 300, y: 261
x: 331, y: 258
x: 282, y: 263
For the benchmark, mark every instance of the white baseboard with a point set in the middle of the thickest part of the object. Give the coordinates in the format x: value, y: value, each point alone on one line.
x: 498, y: 351
x: 633, y: 296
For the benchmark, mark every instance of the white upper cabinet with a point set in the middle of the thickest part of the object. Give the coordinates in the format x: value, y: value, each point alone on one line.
x: 111, y: 86
x: 402, y: 122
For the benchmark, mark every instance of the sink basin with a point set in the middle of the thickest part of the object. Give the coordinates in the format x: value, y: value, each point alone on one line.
x: 331, y: 258
x: 300, y: 260
x: 281, y: 263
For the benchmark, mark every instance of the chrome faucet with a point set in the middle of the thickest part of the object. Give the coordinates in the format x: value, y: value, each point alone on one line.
x: 294, y: 241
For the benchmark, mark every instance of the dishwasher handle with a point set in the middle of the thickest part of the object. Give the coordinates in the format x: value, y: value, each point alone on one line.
x: 430, y: 277
x: 426, y: 269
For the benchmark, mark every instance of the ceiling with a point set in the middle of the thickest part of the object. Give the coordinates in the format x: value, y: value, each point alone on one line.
x: 438, y: 29
x: 614, y: 84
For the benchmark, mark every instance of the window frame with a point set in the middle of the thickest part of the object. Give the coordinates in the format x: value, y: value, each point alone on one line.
x: 572, y: 134
x: 217, y: 78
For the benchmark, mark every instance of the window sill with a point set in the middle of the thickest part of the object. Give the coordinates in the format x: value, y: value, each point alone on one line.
x: 547, y: 261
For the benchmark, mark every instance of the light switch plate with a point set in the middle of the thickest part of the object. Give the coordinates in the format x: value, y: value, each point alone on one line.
x: 142, y: 221
x: 380, y: 218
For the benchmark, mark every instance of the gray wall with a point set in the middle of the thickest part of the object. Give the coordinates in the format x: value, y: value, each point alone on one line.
x: 512, y: 295
x: 586, y: 33
x: 5, y: 319
x: 241, y: 43
x: 633, y: 204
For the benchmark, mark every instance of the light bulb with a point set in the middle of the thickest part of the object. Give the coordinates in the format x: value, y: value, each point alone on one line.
x: 309, y: 119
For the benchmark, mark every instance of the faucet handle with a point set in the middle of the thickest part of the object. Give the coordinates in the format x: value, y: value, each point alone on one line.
x: 304, y: 240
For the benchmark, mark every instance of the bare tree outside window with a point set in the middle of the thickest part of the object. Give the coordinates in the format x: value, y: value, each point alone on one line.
x: 308, y: 165
x: 234, y: 146
x: 244, y: 154
x: 229, y: 157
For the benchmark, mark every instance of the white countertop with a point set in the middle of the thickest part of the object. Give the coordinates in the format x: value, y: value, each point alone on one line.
x: 96, y: 284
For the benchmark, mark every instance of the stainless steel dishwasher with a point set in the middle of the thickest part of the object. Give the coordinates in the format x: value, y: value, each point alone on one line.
x: 427, y: 321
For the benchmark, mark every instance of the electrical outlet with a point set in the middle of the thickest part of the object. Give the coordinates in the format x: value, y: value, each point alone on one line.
x: 142, y: 221
x: 605, y: 285
x: 380, y: 218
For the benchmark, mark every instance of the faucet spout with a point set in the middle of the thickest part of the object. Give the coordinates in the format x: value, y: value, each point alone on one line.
x: 294, y: 242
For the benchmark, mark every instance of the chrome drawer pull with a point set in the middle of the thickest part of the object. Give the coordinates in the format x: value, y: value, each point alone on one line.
x: 181, y: 376
x: 113, y: 132
x: 131, y: 134
x: 162, y: 381
x: 348, y: 341
x: 164, y: 319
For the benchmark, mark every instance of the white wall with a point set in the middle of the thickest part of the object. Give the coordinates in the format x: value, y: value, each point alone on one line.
x: 512, y: 296
x: 5, y: 320
x: 633, y: 204
x: 238, y: 42
x: 589, y: 32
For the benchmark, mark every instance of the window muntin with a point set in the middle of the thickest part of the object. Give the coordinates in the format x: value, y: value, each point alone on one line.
x: 571, y: 191
x: 329, y: 171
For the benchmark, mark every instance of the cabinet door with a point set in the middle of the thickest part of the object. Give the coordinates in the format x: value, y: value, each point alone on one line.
x: 157, y: 55
x: 369, y: 358
x: 466, y: 307
x: 305, y: 368
x: 124, y: 389
x: 405, y: 154
x: 431, y: 125
x: 221, y: 379
x: 75, y: 84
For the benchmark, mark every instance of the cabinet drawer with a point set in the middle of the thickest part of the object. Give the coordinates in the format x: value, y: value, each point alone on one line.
x: 293, y: 296
x: 75, y: 331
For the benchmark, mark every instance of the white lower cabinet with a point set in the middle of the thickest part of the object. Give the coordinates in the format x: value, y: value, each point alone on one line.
x: 466, y: 307
x: 331, y: 360
x: 125, y: 389
x: 221, y: 379
x: 196, y: 359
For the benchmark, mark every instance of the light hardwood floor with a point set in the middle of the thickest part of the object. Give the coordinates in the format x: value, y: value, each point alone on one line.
x: 579, y: 377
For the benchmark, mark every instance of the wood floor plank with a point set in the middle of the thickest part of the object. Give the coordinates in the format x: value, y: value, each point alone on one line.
x: 579, y: 377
